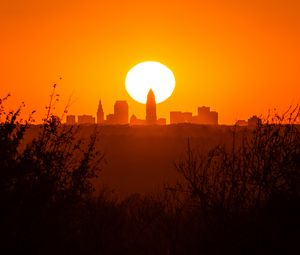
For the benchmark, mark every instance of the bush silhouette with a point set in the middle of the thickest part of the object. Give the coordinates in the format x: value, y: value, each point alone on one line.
x: 239, y: 198
x: 45, y: 185
x: 249, y: 191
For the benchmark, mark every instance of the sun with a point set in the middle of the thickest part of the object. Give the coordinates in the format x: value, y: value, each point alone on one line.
x: 150, y: 75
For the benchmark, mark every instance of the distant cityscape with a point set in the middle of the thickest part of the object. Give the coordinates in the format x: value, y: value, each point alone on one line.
x: 121, y: 116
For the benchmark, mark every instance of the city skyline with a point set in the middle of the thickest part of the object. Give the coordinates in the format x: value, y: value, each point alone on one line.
x: 150, y: 127
x: 121, y: 115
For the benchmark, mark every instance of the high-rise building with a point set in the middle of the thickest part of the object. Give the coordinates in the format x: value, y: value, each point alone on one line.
x: 203, y: 110
x: 176, y: 117
x: 86, y: 119
x: 151, y: 109
x: 181, y: 117
x: 206, y: 117
x: 100, y: 114
x: 134, y: 121
x: 187, y: 116
x: 121, y: 113
x: 71, y: 120
x: 203, y: 115
x: 161, y: 121
x: 214, y: 118
x: 110, y: 119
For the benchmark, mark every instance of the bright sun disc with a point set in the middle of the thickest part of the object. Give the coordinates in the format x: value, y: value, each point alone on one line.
x: 150, y: 75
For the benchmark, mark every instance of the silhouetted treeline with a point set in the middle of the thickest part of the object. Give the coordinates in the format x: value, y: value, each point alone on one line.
x: 238, y: 199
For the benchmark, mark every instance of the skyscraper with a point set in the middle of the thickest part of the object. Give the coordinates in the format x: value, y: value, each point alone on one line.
x: 121, y: 113
x: 86, y: 120
x: 181, y: 117
x: 151, y: 118
x: 206, y: 116
x: 71, y: 120
x: 100, y: 113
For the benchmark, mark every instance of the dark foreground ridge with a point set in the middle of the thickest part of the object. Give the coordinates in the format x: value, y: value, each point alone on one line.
x: 140, y: 159
x: 233, y: 191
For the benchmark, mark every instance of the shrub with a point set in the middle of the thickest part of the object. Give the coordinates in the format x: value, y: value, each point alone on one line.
x: 44, y: 186
x: 250, y: 191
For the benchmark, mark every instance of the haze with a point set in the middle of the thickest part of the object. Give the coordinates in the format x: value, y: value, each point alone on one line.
x: 239, y: 57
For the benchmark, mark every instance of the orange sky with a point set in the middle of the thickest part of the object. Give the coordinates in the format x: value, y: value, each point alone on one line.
x: 239, y: 57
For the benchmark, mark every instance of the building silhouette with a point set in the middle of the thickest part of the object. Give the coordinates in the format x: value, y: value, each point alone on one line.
x: 214, y: 117
x: 161, y: 121
x: 204, y: 117
x: 86, y: 119
x: 151, y: 117
x: 121, y: 112
x: 110, y: 119
x: 121, y: 116
x: 181, y: 117
x: 71, y: 120
x: 134, y: 121
x: 100, y: 113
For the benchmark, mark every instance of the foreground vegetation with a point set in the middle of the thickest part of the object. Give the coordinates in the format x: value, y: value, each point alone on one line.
x: 237, y: 199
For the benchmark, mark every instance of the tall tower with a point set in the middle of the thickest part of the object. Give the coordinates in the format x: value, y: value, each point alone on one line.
x: 100, y: 113
x: 121, y: 112
x: 151, y: 118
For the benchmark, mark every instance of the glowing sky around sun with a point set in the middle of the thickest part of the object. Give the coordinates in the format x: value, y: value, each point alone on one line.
x: 150, y: 75
x: 238, y: 57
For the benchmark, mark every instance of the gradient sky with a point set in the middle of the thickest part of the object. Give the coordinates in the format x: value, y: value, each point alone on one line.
x: 238, y: 57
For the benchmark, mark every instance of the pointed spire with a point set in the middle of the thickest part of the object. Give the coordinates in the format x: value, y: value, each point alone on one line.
x: 150, y: 92
x: 100, y: 113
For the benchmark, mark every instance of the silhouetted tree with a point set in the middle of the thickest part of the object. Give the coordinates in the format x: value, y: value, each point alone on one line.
x: 254, y: 184
x: 238, y: 198
x: 45, y: 185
